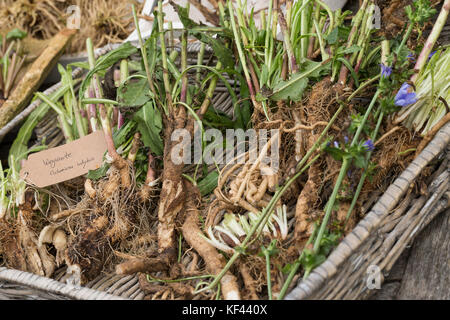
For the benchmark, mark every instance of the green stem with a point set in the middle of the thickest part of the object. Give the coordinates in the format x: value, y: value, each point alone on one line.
x: 143, y: 51
x: 321, y: 44
x: 184, y: 79
x: 65, y: 127
x: 330, y: 14
x: 364, y: 174
x: 295, y: 267
x: 431, y: 40
x: 330, y: 204
x: 200, y: 57
x: 269, y: 281
x: 304, y: 30
x: 405, y: 38
x: 319, y: 139
x: 164, y: 57
x: 342, y: 173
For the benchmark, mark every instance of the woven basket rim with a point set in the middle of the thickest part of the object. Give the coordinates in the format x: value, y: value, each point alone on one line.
x: 387, y: 202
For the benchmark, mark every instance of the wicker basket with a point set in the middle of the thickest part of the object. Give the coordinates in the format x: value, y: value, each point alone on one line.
x: 377, y: 241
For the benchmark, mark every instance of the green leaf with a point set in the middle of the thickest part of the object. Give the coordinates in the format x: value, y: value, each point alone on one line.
x: 360, y: 161
x: 295, y: 86
x: 333, y: 36
x: 264, y: 74
x: 121, y: 136
x: 149, y: 123
x: 106, y: 61
x: 318, y: 68
x: 98, y: 173
x: 351, y: 49
x: 79, y: 64
x: 224, y: 54
x: 150, y: 44
x: 19, y: 147
x: 292, y: 89
x: 208, y: 183
x: 336, y: 153
x: 16, y: 34
x: 133, y: 93
x: 216, y: 119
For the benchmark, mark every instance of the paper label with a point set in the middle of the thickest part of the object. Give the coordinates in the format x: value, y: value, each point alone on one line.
x: 65, y: 162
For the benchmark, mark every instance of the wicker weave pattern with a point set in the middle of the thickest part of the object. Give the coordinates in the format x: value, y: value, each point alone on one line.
x: 52, y: 286
x: 382, y: 235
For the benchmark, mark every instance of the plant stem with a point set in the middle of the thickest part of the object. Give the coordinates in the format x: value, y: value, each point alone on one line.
x: 384, y: 56
x: 287, y: 43
x: 304, y: 31
x: 200, y: 57
x: 340, y: 179
x: 242, y: 57
x: 143, y: 50
x: 295, y: 267
x: 164, y: 58
x: 325, y: 55
x: 65, y: 127
x: 364, y: 174
x: 104, y: 119
x: 269, y: 281
x: 357, y: 20
x: 431, y: 40
x: 405, y: 38
x: 184, y: 79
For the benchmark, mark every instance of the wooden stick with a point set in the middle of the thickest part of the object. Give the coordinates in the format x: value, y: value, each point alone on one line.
x: 35, y: 75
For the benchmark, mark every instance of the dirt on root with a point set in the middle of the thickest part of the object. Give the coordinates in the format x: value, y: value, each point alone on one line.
x: 104, y: 21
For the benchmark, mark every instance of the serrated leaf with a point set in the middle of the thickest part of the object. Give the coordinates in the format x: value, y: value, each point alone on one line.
x: 351, y: 49
x: 98, y: 173
x: 216, y: 119
x: 208, y: 183
x: 121, y: 136
x: 223, y: 54
x: 292, y: 90
x: 318, y: 68
x: 149, y: 123
x: 106, y: 61
x: 80, y: 64
x: 133, y: 93
x: 336, y: 153
x: 16, y: 34
x: 333, y: 36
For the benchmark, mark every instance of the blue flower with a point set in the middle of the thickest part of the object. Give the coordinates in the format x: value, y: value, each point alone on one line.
x: 404, y: 97
x: 346, y: 139
x: 431, y: 54
x: 369, y: 145
x: 385, y: 71
x: 336, y: 144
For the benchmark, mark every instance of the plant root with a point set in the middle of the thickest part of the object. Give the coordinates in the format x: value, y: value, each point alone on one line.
x: 249, y: 282
x: 214, y: 261
x: 145, y: 265
x: 87, y: 250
